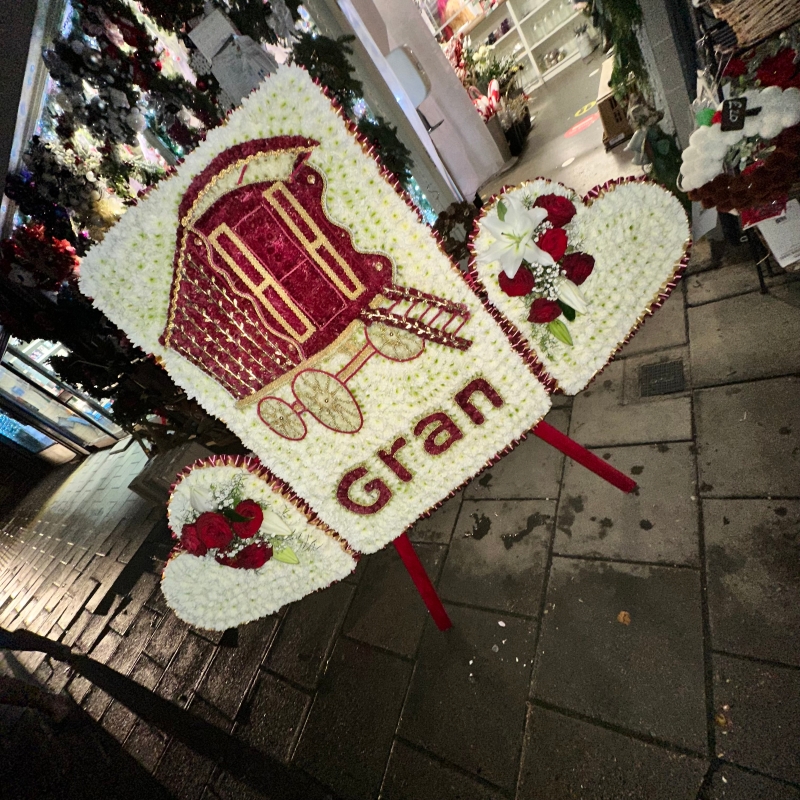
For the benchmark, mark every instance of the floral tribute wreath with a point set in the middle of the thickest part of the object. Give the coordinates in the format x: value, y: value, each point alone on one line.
x: 758, y: 163
x: 246, y: 545
x: 572, y: 280
x: 285, y: 281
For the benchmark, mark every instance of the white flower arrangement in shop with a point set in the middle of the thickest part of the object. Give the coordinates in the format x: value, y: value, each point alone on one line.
x: 711, y: 149
x: 357, y: 482
x: 617, y: 256
x: 245, y: 545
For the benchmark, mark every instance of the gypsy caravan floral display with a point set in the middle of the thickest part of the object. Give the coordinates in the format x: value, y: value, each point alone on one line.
x: 616, y: 255
x: 245, y: 546
x: 286, y: 283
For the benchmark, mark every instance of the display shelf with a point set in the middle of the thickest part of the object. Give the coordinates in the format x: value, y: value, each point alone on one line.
x: 555, y: 30
x: 506, y: 35
x: 570, y: 59
x: 509, y: 43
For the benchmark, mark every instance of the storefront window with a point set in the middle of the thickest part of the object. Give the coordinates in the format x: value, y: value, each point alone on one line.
x: 23, y: 435
x: 32, y: 393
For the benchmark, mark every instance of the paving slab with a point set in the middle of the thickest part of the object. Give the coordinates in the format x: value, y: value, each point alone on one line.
x: 307, y: 633
x: 600, y: 417
x: 731, y: 783
x: 415, y: 775
x: 146, y: 743
x: 718, y: 284
x: 760, y: 706
x: 656, y: 523
x: 752, y: 557
x: 438, y: 527
x: 498, y: 555
x: 623, y: 643
x: 182, y: 772
x: 134, y: 601
x: 186, y: 669
x: 272, y: 716
x: 227, y: 787
x: 665, y: 328
x: 531, y: 470
x: 742, y: 338
x: 748, y: 439
x: 233, y: 668
x: 387, y: 610
x: 118, y: 719
x: 568, y: 758
x: 165, y: 642
x: 134, y: 641
x: 472, y: 714
x: 348, y: 736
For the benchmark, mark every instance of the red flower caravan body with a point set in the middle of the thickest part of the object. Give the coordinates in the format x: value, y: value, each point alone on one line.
x: 265, y: 285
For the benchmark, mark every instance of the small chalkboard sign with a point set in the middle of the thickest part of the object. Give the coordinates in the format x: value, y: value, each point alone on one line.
x: 733, y: 114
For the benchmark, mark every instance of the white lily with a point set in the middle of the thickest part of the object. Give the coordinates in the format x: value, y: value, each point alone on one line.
x: 202, y: 500
x: 273, y: 525
x: 570, y: 294
x: 514, y: 236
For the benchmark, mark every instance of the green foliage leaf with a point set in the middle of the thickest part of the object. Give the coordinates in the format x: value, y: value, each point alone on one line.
x: 286, y: 556
x: 569, y: 311
x: 230, y: 514
x: 501, y: 210
x: 560, y: 331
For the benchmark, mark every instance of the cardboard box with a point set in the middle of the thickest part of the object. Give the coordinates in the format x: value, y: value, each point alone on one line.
x: 612, y: 114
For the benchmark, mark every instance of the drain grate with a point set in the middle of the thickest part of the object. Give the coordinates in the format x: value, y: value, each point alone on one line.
x: 664, y: 378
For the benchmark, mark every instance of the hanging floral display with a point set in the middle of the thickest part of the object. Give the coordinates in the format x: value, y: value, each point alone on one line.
x: 575, y: 278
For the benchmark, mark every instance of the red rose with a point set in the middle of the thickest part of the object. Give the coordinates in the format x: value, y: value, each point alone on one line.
x: 213, y: 529
x: 578, y: 267
x: 735, y: 69
x: 521, y: 284
x: 716, y: 118
x: 251, y: 557
x: 191, y: 541
x: 255, y: 516
x: 778, y: 70
x: 544, y: 310
x: 554, y: 242
x: 559, y: 210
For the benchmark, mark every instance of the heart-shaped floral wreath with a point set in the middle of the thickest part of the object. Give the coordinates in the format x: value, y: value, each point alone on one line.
x: 572, y: 279
x: 246, y: 545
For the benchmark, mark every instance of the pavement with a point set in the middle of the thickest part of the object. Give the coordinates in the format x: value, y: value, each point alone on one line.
x: 605, y: 646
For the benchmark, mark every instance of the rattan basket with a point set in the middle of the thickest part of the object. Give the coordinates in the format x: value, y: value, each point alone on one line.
x: 752, y: 20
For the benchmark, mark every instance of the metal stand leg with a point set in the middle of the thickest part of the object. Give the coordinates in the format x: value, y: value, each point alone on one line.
x: 571, y: 448
x: 423, y: 583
